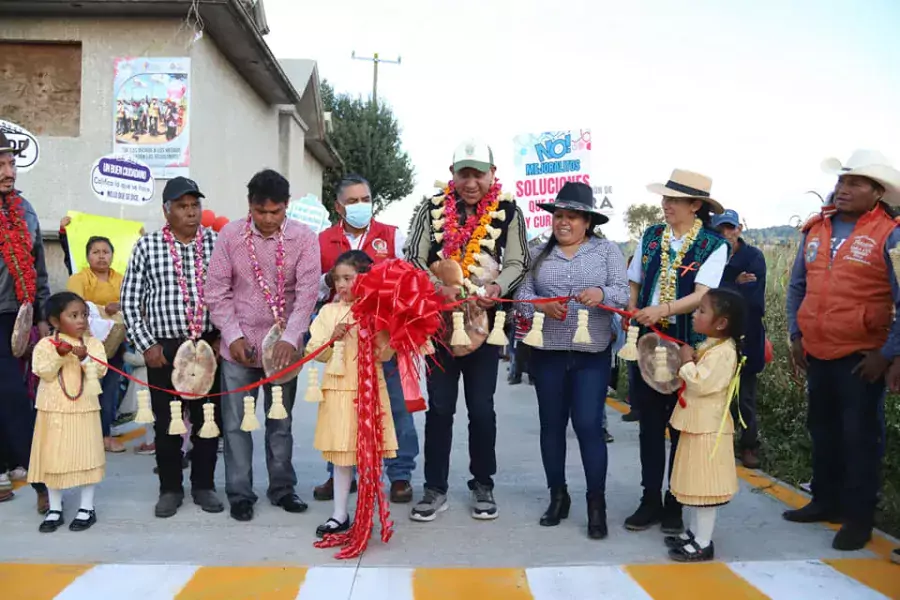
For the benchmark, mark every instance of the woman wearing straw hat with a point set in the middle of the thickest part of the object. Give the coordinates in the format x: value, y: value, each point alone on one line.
x: 676, y: 264
x: 841, y: 302
x: 571, y: 372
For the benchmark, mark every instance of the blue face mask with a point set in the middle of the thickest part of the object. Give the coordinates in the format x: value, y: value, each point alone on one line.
x: 359, y: 215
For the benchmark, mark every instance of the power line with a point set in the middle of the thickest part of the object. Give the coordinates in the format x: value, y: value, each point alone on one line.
x: 375, y: 60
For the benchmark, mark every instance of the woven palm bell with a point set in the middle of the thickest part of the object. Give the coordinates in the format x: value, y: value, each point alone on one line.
x: 313, y: 391
x: 459, y: 337
x: 661, y: 370
x: 176, y: 424
x: 535, y: 337
x: 582, y: 335
x: 277, y: 412
x: 144, y: 412
x: 498, y: 337
x: 210, y: 429
x: 249, y: 422
x: 629, y: 351
x: 336, y: 362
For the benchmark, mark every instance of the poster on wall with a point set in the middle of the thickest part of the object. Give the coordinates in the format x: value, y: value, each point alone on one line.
x: 25, y: 142
x: 544, y: 162
x: 151, y: 113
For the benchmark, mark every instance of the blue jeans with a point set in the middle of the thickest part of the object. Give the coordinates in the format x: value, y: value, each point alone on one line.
x: 567, y: 385
x: 400, y: 468
x: 109, y: 398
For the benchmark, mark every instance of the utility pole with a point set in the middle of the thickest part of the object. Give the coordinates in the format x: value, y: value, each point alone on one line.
x: 375, y: 59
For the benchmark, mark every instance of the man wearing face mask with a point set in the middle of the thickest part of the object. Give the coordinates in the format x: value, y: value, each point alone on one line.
x: 358, y: 231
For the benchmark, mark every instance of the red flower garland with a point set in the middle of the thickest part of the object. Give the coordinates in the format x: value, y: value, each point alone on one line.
x: 456, y: 236
x: 15, y: 245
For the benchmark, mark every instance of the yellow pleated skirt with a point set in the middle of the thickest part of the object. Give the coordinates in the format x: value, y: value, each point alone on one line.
x: 700, y: 478
x: 336, y: 427
x: 67, y: 450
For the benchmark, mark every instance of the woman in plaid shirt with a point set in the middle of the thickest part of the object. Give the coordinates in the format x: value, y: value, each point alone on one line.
x: 567, y: 375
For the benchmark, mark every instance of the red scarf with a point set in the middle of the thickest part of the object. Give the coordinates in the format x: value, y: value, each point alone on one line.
x: 15, y: 246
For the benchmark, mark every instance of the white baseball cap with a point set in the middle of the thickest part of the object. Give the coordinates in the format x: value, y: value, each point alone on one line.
x: 473, y: 154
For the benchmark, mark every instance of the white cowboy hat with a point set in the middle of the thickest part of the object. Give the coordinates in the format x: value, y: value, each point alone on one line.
x: 871, y: 165
x: 687, y: 184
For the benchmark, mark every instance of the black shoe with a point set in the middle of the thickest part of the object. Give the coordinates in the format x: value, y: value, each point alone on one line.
x: 331, y: 526
x: 649, y: 513
x: 691, y: 552
x: 80, y: 524
x: 168, y: 504
x: 672, y: 523
x: 811, y: 513
x: 292, y: 504
x: 596, y: 503
x: 208, y: 501
x: 560, y: 502
x: 49, y: 526
x: 676, y: 541
x: 852, y: 537
x: 632, y: 417
x: 242, y: 510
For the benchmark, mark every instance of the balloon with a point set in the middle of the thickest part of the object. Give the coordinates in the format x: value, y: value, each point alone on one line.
x: 208, y: 218
x: 220, y: 223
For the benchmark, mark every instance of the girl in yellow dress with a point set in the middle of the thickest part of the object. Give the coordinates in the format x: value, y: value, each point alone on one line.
x: 704, y: 475
x: 67, y: 449
x: 336, y: 427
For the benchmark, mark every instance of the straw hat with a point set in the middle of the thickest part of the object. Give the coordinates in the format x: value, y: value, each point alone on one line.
x: 871, y: 165
x: 687, y: 184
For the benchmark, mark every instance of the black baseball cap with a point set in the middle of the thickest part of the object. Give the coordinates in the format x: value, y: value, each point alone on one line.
x: 181, y: 186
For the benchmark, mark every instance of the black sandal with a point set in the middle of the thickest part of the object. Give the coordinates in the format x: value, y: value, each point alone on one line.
x: 80, y: 524
x: 676, y: 541
x: 51, y: 525
x: 692, y: 552
x: 332, y: 526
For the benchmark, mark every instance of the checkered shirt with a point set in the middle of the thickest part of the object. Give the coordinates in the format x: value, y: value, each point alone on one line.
x: 151, y: 299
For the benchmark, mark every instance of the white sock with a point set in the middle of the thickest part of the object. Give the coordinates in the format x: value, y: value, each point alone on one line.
x: 706, y: 523
x: 343, y: 478
x: 87, y: 497
x: 693, y: 527
x: 55, y: 503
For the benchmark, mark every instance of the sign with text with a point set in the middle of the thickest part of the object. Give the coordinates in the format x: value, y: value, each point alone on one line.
x: 122, y: 180
x: 25, y: 142
x: 310, y: 211
x: 544, y: 162
x: 122, y: 233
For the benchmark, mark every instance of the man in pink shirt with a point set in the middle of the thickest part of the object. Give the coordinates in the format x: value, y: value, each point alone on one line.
x: 264, y: 269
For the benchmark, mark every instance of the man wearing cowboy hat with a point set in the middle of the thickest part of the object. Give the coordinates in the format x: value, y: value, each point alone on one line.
x: 675, y: 265
x: 841, y: 301
x: 16, y: 409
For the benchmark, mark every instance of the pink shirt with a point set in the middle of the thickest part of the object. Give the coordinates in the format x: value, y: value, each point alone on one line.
x: 236, y: 303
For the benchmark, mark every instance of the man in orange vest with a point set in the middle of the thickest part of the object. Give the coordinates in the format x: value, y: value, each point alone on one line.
x: 841, y: 302
x: 358, y: 231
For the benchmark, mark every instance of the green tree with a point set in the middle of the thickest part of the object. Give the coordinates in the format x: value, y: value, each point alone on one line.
x: 639, y: 217
x: 368, y: 139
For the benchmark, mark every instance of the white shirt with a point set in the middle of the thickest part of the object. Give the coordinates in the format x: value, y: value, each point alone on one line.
x: 356, y: 243
x: 709, y: 274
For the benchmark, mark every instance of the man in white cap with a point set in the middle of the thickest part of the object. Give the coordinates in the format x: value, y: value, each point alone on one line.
x: 841, y: 302
x: 471, y: 207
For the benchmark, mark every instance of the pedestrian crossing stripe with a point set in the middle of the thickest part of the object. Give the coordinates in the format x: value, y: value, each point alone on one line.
x: 857, y: 579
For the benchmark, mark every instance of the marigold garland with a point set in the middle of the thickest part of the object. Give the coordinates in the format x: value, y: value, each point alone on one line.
x: 15, y: 247
x: 667, y: 271
x: 462, y: 243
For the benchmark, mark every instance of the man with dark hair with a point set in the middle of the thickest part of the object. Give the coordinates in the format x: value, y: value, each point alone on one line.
x: 264, y: 273
x: 358, y: 231
x: 22, y: 253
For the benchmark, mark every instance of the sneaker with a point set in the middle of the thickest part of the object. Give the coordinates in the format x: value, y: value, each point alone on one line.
x: 608, y: 436
x: 145, y: 449
x: 18, y: 474
x: 432, y: 503
x: 5, y: 483
x: 483, y: 506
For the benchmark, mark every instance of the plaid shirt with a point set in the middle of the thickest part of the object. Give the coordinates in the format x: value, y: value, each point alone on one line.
x: 151, y: 299
x: 597, y: 263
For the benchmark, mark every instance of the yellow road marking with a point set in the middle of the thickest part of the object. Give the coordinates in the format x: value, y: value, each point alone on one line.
x: 879, y: 575
x: 684, y: 581
x: 469, y: 584
x: 37, y: 582
x: 259, y: 583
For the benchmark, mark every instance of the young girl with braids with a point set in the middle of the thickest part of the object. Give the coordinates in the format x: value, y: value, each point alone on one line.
x: 67, y: 449
x: 704, y: 476
x: 336, y: 427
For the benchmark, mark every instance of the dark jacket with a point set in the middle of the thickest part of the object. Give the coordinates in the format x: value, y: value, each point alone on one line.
x: 749, y: 259
x: 9, y: 303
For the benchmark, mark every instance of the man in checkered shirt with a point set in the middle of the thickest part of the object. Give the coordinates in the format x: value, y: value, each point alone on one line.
x: 157, y: 325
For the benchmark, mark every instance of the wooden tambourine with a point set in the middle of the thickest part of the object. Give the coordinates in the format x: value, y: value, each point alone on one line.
x: 21, y: 334
x: 194, y: 369
x: 475, y: 319
x: 268, y: 347
x: 659, y: 363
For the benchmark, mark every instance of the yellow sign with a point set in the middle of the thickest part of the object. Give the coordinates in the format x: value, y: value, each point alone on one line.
x: 123, y: 235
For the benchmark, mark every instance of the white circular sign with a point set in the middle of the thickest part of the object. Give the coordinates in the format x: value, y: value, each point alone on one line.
x: 25, y: 142
x: 122, y: 180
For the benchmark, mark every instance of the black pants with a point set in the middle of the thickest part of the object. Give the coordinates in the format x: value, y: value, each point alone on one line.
x: 655, y: 411
x: 168, y: 447
x: 749, y: 439
x: 479, y: 372
x: 846, y: 420
x: 16, y: 407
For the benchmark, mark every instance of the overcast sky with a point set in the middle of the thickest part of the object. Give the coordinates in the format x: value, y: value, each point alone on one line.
x: 754, y: 93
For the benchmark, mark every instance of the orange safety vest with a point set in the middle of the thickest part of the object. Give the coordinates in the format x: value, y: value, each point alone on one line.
x: 848, y: 307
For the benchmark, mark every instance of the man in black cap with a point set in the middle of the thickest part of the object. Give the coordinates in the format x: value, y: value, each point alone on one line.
x: 20, y: 221
x: 164, y: 305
